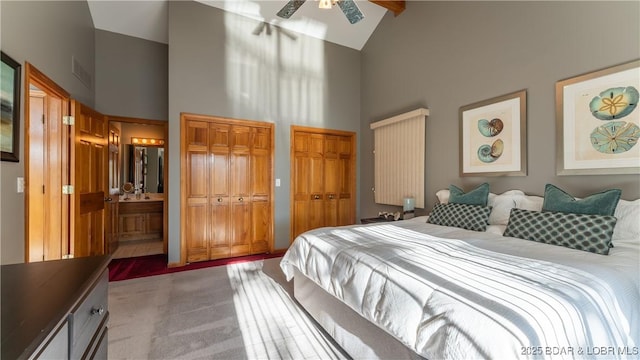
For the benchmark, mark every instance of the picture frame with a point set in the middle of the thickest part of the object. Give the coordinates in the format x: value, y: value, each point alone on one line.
x: 10, y: 104
x: 493, y: 136
x: 598, y: 122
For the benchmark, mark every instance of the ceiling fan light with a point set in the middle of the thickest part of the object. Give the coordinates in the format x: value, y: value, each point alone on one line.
x: 325, y: 4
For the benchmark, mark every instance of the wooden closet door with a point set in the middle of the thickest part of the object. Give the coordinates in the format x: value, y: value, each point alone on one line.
x: 331, y: 180
x: 322, y: 179
x: 220, y: 198
x: 234, y: 180
x: 240, y: 174
x: 196, y: 225
x: 345, y: 181
x: 261, y: 175
x: 300, y: 187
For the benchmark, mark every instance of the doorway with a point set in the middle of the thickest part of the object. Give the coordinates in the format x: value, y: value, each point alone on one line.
x: 141, y: 174
x: 47, y: 169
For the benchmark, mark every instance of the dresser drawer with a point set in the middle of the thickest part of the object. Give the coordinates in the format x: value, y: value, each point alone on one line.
x: 87, y: 318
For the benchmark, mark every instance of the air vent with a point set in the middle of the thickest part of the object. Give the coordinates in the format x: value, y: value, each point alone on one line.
x: 82, y: 74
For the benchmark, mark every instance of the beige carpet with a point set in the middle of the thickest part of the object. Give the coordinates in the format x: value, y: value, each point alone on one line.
x: 238, y: 311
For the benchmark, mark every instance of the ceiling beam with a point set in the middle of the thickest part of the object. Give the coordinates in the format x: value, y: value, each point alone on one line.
x: 394, y: 6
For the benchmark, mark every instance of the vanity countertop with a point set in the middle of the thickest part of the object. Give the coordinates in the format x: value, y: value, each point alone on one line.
x: 132, y: 198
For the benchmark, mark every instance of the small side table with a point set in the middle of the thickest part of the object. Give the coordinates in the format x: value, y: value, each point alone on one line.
x: 378, y: 219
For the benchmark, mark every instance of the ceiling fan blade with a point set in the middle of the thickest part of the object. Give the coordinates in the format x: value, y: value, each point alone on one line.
x: 291, y: 7
x: 351, y: 11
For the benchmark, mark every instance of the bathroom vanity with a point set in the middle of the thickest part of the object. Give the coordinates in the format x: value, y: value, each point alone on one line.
x: 141, y: 219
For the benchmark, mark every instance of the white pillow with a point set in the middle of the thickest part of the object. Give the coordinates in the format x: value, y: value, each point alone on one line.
x: 531, y: 202
x: 443, y: 196
x: 627, y: 228
x: 501, y: 206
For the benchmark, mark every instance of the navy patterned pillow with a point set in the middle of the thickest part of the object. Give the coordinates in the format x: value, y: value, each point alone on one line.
x: 576, y: 231
x: 470, y: 217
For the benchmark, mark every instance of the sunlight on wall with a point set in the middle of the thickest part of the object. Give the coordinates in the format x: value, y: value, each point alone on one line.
x: 273, y: 327
x: 273, y: 74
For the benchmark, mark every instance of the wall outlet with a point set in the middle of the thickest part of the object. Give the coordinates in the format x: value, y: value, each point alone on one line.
x: 277, y: 182
x: 20, y: 185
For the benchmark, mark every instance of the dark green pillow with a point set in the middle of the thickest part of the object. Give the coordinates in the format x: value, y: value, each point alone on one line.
x: 576, y: 231
x: 602, y: 203
x: 478, y: 196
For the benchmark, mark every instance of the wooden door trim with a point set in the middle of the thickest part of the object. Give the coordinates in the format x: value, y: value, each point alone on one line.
x: 44, y: 83
x: 322, y: 131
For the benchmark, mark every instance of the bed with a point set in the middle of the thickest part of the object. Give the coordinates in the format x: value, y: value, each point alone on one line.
x: 411, y: 289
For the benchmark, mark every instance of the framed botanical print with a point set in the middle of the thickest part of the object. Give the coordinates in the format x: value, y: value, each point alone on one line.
x: 598, y: 122
x: 493, y: 136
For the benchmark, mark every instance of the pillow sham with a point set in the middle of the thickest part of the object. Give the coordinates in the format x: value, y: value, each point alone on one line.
x: 627, y: 229
x: 477, y: 196
x: 464, y: 216
x: 602, y: 203
x: 585, y: 232
x: 501, y: 205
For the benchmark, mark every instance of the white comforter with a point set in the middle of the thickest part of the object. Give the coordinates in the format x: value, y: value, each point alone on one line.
x: 465, y: 295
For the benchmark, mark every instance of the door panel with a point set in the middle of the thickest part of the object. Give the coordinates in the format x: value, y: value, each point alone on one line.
x: 240, y: 227
x: 90, y: 185
x: 37, y: 233
x: 113, y: 198
x: 197, y: 230
x: 196, y: 227
x: 260, y: 225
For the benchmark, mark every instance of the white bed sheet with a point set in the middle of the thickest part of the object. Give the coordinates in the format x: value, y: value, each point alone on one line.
x: 451, y: 293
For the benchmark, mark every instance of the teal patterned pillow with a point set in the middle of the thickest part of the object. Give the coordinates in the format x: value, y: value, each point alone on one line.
x: 577, y: 231
x: 602, y: 203
x: 470, y: 217
x: 477, y: 196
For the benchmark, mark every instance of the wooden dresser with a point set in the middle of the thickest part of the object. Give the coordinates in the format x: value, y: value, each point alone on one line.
x: 55, y: 309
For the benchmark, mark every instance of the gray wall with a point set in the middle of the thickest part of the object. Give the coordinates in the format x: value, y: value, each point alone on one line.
x: 46, y: 34
x: 444, y: 55
x: 131, y: 76
x: 218, y: 67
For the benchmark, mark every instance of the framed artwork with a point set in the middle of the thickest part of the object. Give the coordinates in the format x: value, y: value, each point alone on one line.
x: 493, y: 136
x: 598, y: 122
x: 10, y: 103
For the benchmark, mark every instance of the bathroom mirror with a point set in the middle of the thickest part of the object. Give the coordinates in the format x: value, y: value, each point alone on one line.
x: 142, y: 166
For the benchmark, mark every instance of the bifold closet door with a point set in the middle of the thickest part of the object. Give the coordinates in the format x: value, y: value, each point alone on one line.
x: 322, y: 179
x: 227, y: 189
x: 196, y: 212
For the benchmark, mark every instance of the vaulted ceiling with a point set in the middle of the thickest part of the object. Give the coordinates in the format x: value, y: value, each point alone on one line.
x: 148, y: 19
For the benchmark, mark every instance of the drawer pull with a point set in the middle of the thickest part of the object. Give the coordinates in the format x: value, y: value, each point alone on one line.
x: 98, y: 311
x: 219, y: 199
x: 316, y: 197
x: 241, y: 199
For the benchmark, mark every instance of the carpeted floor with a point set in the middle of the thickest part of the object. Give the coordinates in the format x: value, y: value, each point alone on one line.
x: 142, y: 266
x: 238, y: 311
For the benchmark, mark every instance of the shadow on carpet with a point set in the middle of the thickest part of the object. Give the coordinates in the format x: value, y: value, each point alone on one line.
x: 150, y: 265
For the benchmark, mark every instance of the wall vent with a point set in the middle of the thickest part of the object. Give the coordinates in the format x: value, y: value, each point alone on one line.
x: 83, y: 75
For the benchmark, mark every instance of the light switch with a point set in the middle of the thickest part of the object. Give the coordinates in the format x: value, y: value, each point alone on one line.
x: 277, y: 182
x: 20, y: 185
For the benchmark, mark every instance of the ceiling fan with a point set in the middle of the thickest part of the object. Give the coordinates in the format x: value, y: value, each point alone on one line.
x: 348, y: 7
